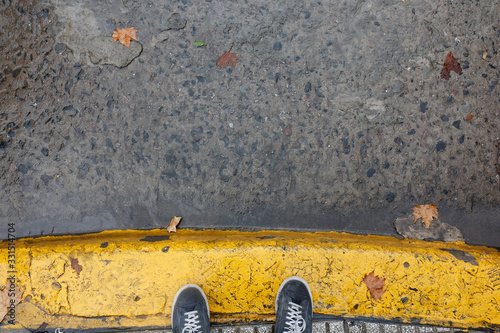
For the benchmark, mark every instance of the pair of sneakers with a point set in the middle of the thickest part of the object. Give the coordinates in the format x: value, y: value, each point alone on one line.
x: 190, y: 313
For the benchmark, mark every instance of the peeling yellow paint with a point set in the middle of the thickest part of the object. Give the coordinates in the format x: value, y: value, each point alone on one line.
x: 129, y: 282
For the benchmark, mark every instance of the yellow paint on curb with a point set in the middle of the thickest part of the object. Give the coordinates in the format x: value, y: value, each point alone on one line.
x: 129, y: 278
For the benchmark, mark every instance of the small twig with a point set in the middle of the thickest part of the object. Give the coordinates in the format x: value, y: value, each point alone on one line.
x: 271, y: 266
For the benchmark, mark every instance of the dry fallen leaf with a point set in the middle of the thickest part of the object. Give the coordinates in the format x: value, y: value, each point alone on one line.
x: 9, y: 296
x: 375, y: 285
x: 173, y: 224
x: 228, y: 59
x: 425, y: 212
x: 77, y: 267
x: 124, y: 35
x: 450, y: 64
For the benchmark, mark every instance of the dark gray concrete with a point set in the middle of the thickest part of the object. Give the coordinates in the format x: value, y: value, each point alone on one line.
x: 335, y: 117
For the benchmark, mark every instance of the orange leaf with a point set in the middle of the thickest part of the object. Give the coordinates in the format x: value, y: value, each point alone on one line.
x: 228, y: 59
x: 425, y: 212
x: 7, y: 300
x: 173, y: 224
x: 375, y: 285
x: 125, y: 35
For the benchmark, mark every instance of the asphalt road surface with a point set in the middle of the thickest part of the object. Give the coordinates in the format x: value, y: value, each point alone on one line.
x: 336, y: 116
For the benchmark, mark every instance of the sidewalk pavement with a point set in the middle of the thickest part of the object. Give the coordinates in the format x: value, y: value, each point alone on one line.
x: 332, y: 326
x: 126, y: 280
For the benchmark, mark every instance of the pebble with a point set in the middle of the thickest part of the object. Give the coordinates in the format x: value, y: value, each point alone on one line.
x: 347, y: 147
x: 444, y: 118
x: 277, y: 46
x: 390, y: 197
x: 370, y: 172
x: 44, y: 13
x: 45, y: 151
x: 23, y: 169
x: 440, y: 146
x: 28, y: 123
x: 492, y: 86
x: 399, y: 141
x: 423, y: 106
x: 363, y: 150
x: 456, y: 124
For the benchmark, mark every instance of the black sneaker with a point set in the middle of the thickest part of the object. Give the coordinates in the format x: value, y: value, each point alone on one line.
x: 294, y: 307
x: 190, y: 313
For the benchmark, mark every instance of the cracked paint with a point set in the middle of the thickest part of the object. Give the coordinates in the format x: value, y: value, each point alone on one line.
x: 129, y: 283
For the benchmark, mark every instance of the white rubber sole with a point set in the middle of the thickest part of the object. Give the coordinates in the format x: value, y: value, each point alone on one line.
x: 186, y: 287
x: 291, y: 278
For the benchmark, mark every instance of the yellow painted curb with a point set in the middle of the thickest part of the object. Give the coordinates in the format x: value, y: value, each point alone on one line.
x: 129, y: 278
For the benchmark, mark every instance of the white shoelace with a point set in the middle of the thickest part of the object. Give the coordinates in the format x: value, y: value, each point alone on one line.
x: 191, y: 324
x: 295, y: 323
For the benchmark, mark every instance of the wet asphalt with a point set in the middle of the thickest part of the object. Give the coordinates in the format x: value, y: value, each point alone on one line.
x: 337, y: 116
